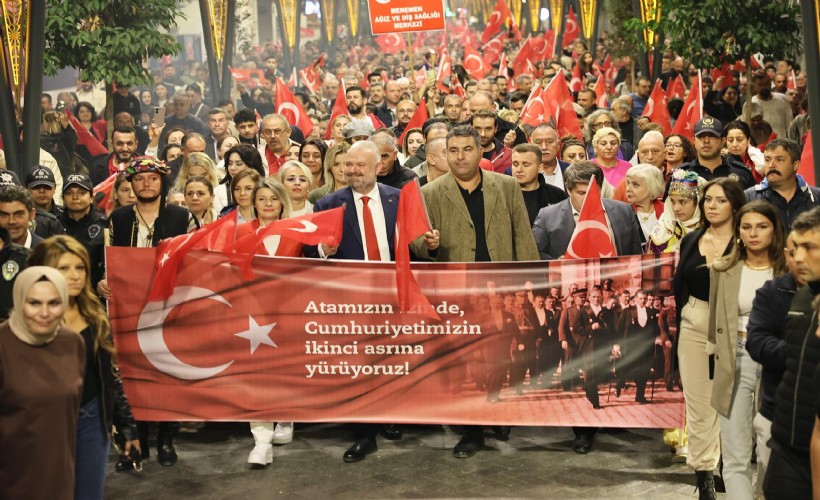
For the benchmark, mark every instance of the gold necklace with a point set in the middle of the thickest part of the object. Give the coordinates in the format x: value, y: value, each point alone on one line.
x: 757, y: 268
x: 718, y: 250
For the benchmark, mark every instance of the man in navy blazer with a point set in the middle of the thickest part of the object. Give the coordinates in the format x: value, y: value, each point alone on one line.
x: 553, y: 229
x: 361, y: 168
x: 555, y: 224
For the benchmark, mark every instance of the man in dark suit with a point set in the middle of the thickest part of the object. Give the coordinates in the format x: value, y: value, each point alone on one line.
x: 369, y: 228
x: 555, y: 224
x: 638, y: 329
x: 571, y: 328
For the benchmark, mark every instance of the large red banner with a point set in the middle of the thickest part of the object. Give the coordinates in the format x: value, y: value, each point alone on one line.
x: 312, y: 340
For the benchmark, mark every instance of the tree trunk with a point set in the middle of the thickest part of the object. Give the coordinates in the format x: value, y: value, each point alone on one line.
x: 747, y: 114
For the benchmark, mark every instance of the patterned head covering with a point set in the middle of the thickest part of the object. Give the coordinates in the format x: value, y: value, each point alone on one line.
x: 143, y: 164
x: 684, y: 183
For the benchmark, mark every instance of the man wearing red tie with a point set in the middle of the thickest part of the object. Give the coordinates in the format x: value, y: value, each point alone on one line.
x: 369, y: 228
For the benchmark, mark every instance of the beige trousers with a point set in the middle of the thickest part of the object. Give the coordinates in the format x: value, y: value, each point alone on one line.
x: 701, y: 419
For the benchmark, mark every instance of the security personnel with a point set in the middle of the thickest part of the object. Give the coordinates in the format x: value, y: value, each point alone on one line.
x: 83, y: 222
x: 12, y: 261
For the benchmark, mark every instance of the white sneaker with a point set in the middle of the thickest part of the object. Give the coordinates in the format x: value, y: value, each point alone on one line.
x: 261, y: 454
x: 681, y: 453
x: 283, y: 433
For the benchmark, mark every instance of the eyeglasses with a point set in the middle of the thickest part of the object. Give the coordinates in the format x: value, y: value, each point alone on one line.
x: 598, y: 125
x: 673, y: 145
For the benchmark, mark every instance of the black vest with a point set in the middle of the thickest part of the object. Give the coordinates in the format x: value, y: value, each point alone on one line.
x: 172, y: 221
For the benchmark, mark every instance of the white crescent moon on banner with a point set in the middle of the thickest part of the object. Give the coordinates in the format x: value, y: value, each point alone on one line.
x: 149, y: 334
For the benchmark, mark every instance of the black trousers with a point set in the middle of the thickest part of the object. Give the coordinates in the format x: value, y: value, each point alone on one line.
x: 788, y: 475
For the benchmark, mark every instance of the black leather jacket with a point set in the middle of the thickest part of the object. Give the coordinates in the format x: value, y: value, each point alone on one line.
x: 114, y: 407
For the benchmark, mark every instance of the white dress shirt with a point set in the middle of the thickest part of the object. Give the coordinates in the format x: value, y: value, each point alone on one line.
x: 376, y: 209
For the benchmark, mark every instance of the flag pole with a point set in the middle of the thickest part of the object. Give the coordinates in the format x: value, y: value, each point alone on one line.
x: 811, y: 41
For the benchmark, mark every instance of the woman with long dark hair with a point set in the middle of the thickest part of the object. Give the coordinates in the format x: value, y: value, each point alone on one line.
x: 756, y: 258
x: 722, y: 198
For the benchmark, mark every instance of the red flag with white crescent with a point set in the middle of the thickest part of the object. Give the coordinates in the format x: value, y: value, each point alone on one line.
x: 571, y: 29
x: 656, y: 108
x: 676, y: 89
x: 592, y: 237
x: 577, y: 81
x: 566, y: 120
x: 291, y: 109
x: 692, y: 111
x: 339, y: 107
x: 496, y: 21
x: 445, y: 70
x: 391, y: 43
x: 417, y: 120
x: 535, y: 110
x: 474, y: 64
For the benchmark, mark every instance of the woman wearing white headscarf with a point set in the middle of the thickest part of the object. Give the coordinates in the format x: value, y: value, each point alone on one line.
x: 41, y: 380
x: 681, y: 214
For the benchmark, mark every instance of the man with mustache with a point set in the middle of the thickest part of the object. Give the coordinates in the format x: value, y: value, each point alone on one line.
x: 782, y: 187
x: 777, y: 110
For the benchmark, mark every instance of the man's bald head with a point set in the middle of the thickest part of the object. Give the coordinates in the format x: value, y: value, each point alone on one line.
x: 481, y: 100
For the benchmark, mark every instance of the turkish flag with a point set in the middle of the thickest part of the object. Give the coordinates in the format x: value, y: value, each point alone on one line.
x: 392, y: 43
x: 84, y: 137
x: 445, y: 70
x: 535, y: 110
x: 221, y: 233
x: 249, y: 76
x: 602, y: 99
x: 412, y: 221
x: 291, y: 109
x: 497, y: 19
x: 676, y: 88
x: 807, y: 161
x: 106, y: 187
x: 310, y: 76
x: 310, y: 229
x: 656, y: 108
x: 417, y: 120
x: 724, y: 71
x: 592, y: 237
x: 791, y: 83
x: 504, y: 71
x: 577, y: 81
x: 456, y: 86
x: 339, y: 107
x: 691, y: 113
x: 171, y: 252
x: 563, y: 113
x: 474, y: 64
x: 494, y: 49
x: 522, y: 63
x: 571, y: 29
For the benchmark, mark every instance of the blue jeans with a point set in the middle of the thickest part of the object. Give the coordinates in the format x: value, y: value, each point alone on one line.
x: 92, y: 453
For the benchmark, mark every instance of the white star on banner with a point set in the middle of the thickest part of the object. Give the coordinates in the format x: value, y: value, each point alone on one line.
x: 257, y: 334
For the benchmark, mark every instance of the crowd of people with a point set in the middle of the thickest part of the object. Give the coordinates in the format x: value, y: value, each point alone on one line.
x: 739, y: 340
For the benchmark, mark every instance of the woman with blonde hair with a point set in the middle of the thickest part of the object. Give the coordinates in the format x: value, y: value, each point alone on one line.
x: 607, y: 142
x: 334, y: 171
x: 644, y: 188
x: 198, y: 165
x: 103, y: 401
x: 296, y: 177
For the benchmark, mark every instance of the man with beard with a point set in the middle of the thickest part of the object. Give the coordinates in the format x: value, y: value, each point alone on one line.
x: 404, y: 112
x: 370, y: 221
x: 144, y: 225
x: 782, y: 187
x: 777, y: 110
x: 356, y: 101
x: 483, y: 100
x: 87, y: 92
x: 392, y: 96
x: 642, y: 90
x: 124, y: 141
x: 526, y: 165
x: 486, y: 123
